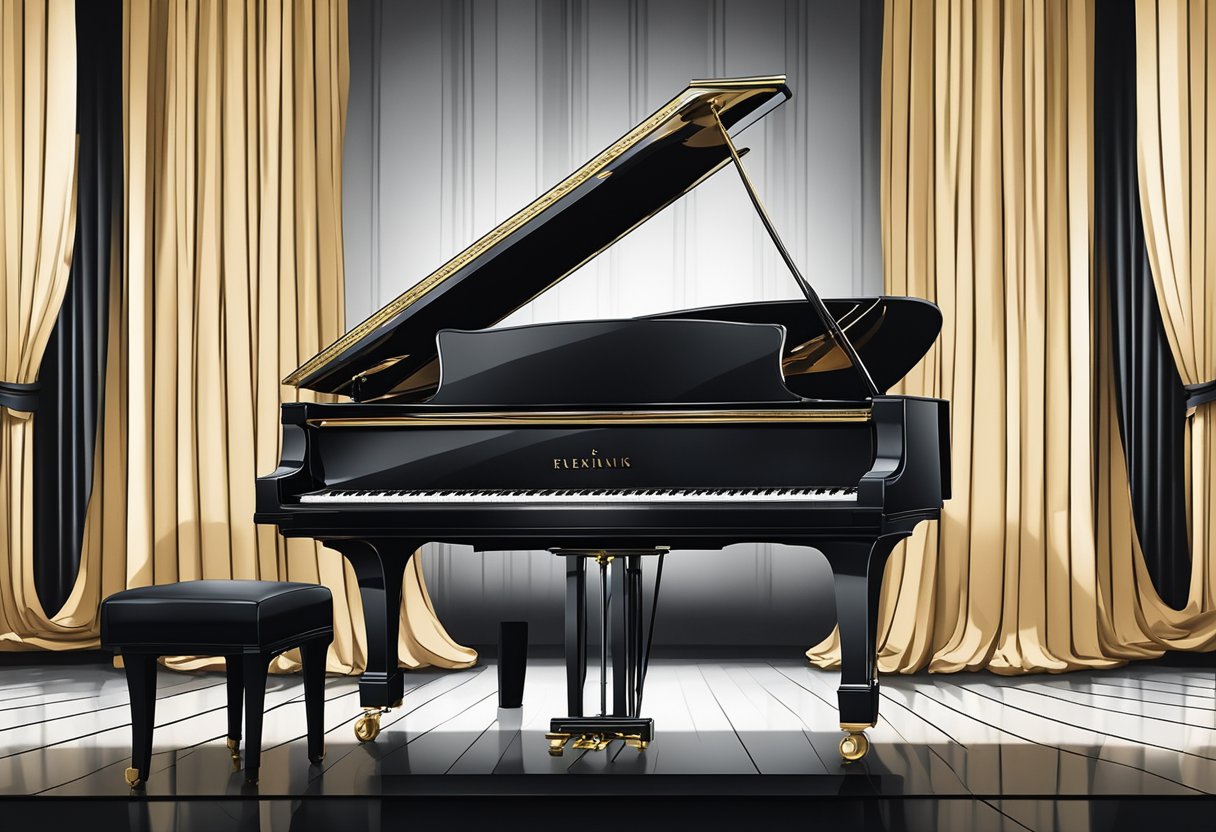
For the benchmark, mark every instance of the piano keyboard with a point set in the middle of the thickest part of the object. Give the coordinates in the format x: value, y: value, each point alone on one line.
x: 589, y: 495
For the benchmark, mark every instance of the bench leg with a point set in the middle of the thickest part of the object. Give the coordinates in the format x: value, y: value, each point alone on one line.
x: 236, y: 695
x: 312, y: 656
x: 255, y: 667
x: 141, y: 687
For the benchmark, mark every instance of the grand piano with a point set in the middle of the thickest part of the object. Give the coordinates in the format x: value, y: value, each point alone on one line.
x: 616, y: 442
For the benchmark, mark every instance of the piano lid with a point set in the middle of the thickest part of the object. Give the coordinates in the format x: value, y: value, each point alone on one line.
x: 637, y: 176
x: 891, y: 334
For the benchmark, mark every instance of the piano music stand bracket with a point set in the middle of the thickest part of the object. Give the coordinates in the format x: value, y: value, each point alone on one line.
x: 621, y: 627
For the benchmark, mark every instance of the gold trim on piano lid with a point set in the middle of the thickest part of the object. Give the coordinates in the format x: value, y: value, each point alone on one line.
x: 634, y: 417
x: 697, y: 90
x: 746, y: 81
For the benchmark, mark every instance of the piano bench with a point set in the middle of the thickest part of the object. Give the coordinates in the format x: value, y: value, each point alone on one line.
x: 246, y: 622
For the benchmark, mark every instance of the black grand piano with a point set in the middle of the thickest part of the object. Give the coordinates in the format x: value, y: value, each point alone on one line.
x: 611, y: 441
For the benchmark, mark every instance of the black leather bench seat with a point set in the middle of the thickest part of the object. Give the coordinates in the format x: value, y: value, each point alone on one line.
x: 215, y: 617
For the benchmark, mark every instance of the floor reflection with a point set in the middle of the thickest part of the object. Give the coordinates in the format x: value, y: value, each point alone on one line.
x: 971, y: 751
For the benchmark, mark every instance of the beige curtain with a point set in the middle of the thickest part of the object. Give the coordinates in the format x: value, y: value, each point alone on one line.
x: 37, y: 226
x: 1176, y: 122
x: 231, y: 277
x: 987, y: 209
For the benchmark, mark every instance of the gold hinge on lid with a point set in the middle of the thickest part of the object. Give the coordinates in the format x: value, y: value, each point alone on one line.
x: 382, y: 366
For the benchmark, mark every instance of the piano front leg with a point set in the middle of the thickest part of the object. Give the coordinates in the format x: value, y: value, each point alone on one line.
x: 857, y: 570
x: 379, y: 567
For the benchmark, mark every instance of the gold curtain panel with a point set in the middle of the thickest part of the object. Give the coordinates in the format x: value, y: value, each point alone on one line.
x: 231, y: 275
x: 1176, y: 154
x: 37, y: 227
x: 987, y: 209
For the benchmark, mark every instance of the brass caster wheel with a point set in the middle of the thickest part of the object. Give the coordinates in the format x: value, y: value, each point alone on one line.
x: 854, y: 746
x: 367, y: 727
x: 557, y: 743
x: 234, y: 751
x: 131, y: 775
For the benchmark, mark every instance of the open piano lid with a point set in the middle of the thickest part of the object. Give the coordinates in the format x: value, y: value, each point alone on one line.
x: 636, y: 177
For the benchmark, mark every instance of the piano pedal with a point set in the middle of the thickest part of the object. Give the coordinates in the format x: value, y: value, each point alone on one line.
x: 596, y: 741
x: 557, y: 743
x: 592, y: 742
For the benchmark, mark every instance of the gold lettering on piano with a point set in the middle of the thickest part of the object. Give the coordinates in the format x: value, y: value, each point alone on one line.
x: 570, y: 463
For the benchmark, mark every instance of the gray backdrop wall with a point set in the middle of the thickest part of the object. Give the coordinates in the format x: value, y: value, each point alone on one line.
x: 463, y: 112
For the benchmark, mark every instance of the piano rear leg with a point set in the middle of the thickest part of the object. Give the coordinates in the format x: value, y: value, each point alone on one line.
x: 380, y: 570
x: 857, y: 570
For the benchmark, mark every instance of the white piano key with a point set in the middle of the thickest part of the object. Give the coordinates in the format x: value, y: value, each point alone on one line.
x: 589, y: 496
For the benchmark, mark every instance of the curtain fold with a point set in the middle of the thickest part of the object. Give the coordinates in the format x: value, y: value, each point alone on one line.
x: 987, y: 209
x: 231, y: 276
x: 73, y: 366
x: 37, y: 225
x: 1176, y: 137
x: 1149, y: 392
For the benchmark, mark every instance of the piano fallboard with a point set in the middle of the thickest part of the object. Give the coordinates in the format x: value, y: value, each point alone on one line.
x: 367, y: 456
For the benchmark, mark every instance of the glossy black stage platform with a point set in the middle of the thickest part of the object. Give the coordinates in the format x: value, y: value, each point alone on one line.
x: 733, y: 738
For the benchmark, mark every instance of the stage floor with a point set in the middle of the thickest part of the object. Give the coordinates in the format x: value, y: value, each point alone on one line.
x: 1004, y: 743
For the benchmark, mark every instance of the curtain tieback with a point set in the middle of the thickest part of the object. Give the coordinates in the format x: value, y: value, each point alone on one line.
x: 1197, y: 394
x: 16, y: 396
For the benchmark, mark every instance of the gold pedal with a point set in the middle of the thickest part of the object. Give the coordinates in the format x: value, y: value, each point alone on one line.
x: 592, y: 742
x: 557, y: 743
